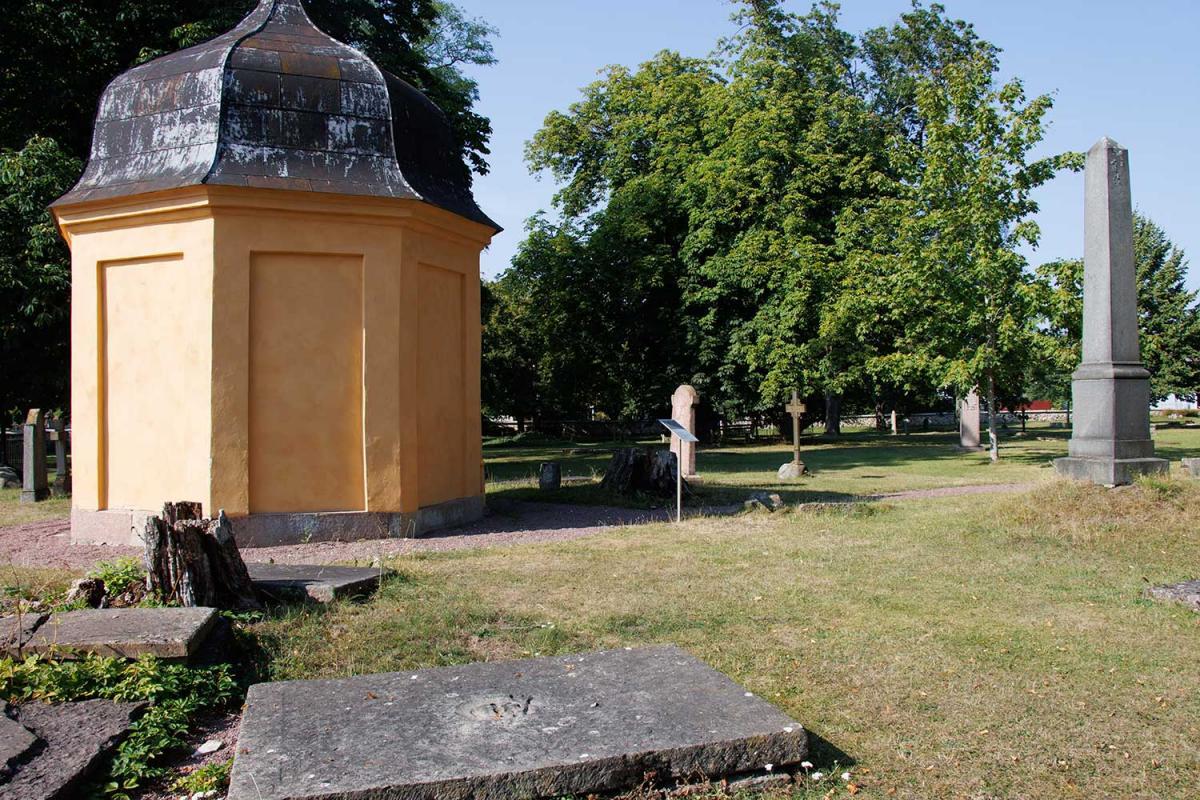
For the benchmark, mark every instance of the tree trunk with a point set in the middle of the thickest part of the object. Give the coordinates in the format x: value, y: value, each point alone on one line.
x: 993, y: 439
x: 194, y: 561
x: 833, y: 414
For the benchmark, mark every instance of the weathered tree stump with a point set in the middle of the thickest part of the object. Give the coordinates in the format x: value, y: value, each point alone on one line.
x: 642, y: 469
x: 194, y: 561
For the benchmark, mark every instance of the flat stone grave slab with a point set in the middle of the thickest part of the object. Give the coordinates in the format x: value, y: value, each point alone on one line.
x: 313, y: 582
x: 15, y: 741
x: 539, y: 728
x: 76, y: 736
x: 1187, y: 593
x: 170, y: 633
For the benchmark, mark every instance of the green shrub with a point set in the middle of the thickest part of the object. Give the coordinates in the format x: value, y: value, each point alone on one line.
x: 118, y: 575
x: 176, y: 693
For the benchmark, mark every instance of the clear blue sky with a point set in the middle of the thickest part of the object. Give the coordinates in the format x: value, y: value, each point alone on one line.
x: 1126, y: 70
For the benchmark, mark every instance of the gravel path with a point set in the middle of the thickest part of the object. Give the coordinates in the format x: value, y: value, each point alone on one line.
x: 47, y: 544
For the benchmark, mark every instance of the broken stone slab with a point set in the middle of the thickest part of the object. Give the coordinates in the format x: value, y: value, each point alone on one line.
x: 15, y: 742
x: 313, y: 582
x: 1186, y: 593
x: 539, y: 728
x: 16, y: 631
x: 170, y: 633
x: 76, y: 736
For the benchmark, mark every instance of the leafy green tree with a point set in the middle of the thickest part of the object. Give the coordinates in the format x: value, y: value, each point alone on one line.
x: 57, y: 59
x: 1168, y: 316
x: 35, y: 278
x: 962, y: 211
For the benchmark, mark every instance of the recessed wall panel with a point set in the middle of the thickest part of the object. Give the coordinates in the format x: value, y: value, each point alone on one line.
x: 441, y: 385
x: 305, y: 383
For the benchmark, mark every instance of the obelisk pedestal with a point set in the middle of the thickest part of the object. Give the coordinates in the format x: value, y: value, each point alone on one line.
x: 1110, y: 440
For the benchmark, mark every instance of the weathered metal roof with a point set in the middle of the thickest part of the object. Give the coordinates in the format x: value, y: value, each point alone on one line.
x: 273, y: 103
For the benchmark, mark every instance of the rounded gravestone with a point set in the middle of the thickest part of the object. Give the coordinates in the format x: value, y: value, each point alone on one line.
x: 549, y: 475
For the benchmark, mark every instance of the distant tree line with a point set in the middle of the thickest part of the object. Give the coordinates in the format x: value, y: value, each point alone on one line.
x: 56, y: 58
x: 804, y: 208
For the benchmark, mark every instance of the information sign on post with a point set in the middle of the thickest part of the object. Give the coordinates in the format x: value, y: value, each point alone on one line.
x: 684, y: 435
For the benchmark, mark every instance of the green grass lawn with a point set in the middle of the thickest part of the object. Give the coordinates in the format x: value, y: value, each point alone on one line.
x: 975, y: 646
x: 14, y: 512
x: 859, y: 463
x: 990, y: 646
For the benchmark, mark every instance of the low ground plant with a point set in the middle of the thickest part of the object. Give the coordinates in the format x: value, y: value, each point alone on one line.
x: 176, y: 694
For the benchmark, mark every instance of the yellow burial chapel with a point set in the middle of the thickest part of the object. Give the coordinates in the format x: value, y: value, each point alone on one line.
x: 275, y: 298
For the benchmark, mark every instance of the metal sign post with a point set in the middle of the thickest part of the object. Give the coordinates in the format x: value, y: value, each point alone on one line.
x: 684, y: 435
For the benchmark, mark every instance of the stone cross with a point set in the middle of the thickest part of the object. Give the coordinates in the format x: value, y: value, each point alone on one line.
x: 34, y: 487
x: 683, y: 411
x: 1110, y: 440
x: 968, y: 421
x: 795, y: 467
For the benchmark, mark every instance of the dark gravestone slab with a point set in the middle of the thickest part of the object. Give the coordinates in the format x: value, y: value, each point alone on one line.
x: 315, y: 582
x: 547, y: 727
x: 171, y: 633
x: 1187, y: 593
x: 76, y: 736
x: 15, y: 742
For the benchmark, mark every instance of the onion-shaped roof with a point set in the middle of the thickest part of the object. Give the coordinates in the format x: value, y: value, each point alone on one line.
x: 273, y: 103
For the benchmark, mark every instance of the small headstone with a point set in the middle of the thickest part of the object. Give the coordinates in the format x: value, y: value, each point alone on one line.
x: 62, y: 464
x: 169, y: 633
x: 77, y: 738
x: 313, y: 582
x: 1186, y: 593
x: 9, y: 479
x: 683, y: 410
x: 577, y: 725
x: 1191, y: 466
x: 549, y: 476
x: 968, y: 422
x: 34, y: 486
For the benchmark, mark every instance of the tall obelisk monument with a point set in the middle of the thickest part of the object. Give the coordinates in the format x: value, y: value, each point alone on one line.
x: 1110, y: 442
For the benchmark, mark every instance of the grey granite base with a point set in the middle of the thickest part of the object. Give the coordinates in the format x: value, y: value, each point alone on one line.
x: 1110, y: 471
x: 596, y: 723
x: 124, y: 526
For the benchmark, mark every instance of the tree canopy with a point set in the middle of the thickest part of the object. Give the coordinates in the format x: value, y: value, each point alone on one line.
x: 58, y: 57
x: 802, y: 208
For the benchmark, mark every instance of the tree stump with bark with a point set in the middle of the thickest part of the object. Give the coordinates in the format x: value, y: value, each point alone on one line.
x: 195, y: 561
x: 642, y: 469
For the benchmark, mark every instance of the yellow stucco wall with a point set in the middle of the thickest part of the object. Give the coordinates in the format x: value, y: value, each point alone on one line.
x: 313, y: 352
x: 306, y: 378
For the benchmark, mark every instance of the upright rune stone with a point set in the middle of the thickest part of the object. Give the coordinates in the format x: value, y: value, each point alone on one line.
x: 1110, y: 441
x: 794, y: 468
x: 683, y: 410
